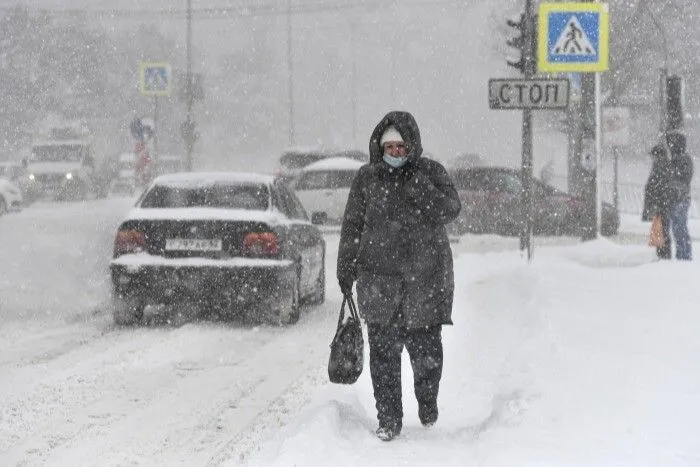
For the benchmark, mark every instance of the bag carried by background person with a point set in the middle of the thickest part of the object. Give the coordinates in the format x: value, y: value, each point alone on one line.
x: 656, y: 233
x: 347, y: 348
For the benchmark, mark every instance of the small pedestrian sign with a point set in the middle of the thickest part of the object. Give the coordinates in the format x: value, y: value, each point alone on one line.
x: 573, y: 37
x: 155, y: 79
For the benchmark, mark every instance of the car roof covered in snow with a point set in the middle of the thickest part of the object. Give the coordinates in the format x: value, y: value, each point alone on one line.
x: 207, y: 178
x: 334, y: 163
x: 61, y: 142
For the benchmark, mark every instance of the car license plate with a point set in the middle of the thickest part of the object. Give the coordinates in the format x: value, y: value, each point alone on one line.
x: 192, y: 244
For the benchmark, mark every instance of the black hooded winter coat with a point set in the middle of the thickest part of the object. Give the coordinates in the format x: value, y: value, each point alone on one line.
x: 393, y: 239
x: 681, y: 165
x: 659, y: 194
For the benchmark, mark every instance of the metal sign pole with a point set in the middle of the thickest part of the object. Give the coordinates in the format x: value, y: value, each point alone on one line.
x: 598, y: 153
x: 616, y: 177
x: 155, y: 129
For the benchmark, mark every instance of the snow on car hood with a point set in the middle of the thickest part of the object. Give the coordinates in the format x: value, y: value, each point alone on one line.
x: 53, y: 167
x: 206, y: 214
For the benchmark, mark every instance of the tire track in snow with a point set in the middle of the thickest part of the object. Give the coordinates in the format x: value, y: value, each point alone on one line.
x: 98, y: 407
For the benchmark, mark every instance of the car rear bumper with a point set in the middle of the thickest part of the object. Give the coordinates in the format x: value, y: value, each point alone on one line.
x: 155, y: 279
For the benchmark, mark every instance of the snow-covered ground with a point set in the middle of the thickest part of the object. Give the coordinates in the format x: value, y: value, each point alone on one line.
x: 586, y: 356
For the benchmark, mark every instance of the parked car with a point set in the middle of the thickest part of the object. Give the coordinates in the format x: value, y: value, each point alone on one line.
x: 10, y: 197
x: 293, y: 161
x: 324, y: 186
x: 241, y: 242
x: 491, y: 203
x: 16, y: 172
x: 123, y: 179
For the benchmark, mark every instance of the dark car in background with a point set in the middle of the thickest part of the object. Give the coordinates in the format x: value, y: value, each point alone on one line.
x: 240, y: 243
x: 491, y: 203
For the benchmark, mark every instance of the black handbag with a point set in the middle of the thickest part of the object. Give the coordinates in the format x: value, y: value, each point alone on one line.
x: 347, y: 348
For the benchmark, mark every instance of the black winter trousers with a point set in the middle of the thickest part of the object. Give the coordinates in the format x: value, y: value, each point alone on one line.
x: 386, y: 344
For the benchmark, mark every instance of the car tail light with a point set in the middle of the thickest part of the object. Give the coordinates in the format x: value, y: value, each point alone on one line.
x: 260, y: 244
x: 129, y: 241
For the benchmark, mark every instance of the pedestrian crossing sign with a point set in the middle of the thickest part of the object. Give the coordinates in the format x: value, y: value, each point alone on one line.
x: 155, y: 78
x: 573, y: 37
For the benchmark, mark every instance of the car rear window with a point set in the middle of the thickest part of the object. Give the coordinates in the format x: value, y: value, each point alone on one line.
x: 325, y: 180
x: 253, y: 197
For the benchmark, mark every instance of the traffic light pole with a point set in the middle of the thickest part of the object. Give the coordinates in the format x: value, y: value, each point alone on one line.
x: 529, y: 69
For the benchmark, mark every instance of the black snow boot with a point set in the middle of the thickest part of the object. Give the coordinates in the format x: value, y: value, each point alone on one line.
x: 388, y: 430
x: 428, y: 413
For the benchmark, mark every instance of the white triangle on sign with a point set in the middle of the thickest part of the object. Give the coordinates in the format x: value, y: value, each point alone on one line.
x: 573, y: 40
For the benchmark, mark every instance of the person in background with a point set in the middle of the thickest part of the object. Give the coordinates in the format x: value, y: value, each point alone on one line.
x: 394, y: 243
x: 682, y: 175
x: 659, y: 196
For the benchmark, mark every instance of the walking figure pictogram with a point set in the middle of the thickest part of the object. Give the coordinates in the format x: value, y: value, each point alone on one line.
x: 573, y: 40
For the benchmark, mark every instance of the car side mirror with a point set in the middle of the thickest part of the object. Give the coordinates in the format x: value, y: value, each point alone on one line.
x: 319, y: 218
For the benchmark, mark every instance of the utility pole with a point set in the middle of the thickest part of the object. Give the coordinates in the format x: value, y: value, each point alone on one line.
x: 353, y: 36
x: 188, y: 128
x: 290, y: 76
x: 663, y: 71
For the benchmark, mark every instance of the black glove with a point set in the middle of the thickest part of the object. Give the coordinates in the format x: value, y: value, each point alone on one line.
x: 345, y: 283
x: 409, y: 169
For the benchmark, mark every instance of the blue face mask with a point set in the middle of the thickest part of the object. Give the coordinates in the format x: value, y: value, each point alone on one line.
x: 395, y: 162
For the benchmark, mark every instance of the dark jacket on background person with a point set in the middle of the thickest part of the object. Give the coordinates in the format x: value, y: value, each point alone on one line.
x: 660, y: 197
x: 393, y: 239
x: 681, y: 165
x: 682, y: 176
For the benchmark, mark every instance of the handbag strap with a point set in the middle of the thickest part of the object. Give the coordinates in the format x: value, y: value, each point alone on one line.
x: 351, y: 306
x: 342, y: 311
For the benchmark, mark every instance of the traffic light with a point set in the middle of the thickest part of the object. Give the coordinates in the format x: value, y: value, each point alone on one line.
x: 518, y: 42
